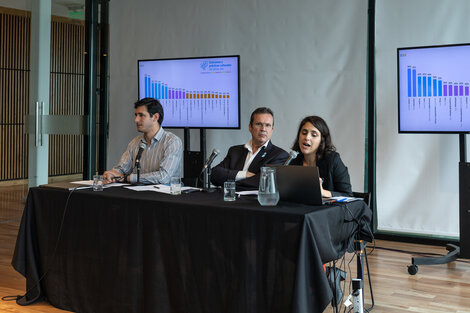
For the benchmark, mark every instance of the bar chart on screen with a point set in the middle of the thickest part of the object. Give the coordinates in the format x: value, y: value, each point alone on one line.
x: 446, y: 99
x: 183, y: 104
x: 434, y: 89
x: 193, y: 92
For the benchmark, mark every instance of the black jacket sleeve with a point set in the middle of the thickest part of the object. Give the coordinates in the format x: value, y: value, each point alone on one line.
x: 235, y: 160
x: 273, y: 155
x: 335, y: 175
x: 229, y: 167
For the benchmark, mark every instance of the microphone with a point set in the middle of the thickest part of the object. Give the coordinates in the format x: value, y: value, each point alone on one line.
x: 211, y: 158
x: 139, y: 154
x: 292, y: 155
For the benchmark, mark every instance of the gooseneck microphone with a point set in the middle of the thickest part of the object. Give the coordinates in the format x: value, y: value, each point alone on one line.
x: 292, y: 155
x: 206, y: 169
x: 137, y: 159
x: 139, y: 153
x: 211, y: 158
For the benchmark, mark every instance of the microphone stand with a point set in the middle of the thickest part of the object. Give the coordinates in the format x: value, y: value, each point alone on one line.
x: 137, y: 165
x: 207, y: 180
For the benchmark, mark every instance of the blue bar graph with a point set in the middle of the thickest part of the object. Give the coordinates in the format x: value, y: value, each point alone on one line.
x: 429, y: 86
x: 146, y: 86
x: 424, y: 86
x: 409, y: 81
x: 419, y: 85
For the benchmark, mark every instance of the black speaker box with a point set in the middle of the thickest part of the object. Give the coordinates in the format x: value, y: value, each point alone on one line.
x: 193, y: 162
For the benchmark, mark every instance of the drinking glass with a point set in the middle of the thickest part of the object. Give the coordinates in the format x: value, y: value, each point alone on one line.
x: 98, y: 183
x: 175, y: 185
x: 229, y: 191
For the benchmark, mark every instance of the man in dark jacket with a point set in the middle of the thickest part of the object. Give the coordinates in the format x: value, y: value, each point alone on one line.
x: 243, y: 162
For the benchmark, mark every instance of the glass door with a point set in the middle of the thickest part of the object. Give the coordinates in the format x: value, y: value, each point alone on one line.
x: 42, y: 44
x: 55, y: 123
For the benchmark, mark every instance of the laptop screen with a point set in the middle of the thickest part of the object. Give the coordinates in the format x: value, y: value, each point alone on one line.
x: 299, y: 184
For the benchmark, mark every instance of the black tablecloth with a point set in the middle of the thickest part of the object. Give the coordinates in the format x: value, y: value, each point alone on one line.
x: 126, y: 251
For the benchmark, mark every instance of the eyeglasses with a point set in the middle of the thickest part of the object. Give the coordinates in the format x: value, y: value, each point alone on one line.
x: 260, y: 125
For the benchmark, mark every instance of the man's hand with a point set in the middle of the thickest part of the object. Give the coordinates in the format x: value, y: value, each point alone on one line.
x: 250, y: 174
x: 112, y: 176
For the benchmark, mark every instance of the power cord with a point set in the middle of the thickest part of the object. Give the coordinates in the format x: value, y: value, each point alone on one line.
x: 18, y: 297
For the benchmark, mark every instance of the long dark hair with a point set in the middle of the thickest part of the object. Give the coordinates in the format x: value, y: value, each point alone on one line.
x: 326, y: 146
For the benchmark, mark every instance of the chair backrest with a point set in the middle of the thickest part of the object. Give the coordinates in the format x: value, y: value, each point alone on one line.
x: 363, y: 195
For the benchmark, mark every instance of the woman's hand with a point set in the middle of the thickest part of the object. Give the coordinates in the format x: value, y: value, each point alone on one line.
x: 324, y: 193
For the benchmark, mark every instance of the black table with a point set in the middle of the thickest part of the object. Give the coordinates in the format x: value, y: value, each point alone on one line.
x: 126, y: 251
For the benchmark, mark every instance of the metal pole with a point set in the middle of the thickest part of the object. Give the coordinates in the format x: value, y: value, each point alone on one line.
x: 91, y: 29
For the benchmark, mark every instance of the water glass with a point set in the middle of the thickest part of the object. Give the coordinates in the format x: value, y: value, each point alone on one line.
x: 175, y: 185
x: 229, y: 191
x: 98, y: 183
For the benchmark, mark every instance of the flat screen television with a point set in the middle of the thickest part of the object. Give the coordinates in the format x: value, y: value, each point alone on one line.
x: 197, y: 92
x: 433, y: 89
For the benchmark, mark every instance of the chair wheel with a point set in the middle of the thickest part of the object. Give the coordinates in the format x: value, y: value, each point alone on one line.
x: 413, y: 269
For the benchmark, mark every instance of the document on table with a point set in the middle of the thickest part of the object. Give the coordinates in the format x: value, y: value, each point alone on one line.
x: 247, y: 193
x: 90, y: 183
x: 158, y: 188
x: 343, y: 199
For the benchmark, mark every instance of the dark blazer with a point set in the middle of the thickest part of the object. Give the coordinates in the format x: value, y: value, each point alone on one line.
x: 333, y: 172
x: 235, y: 160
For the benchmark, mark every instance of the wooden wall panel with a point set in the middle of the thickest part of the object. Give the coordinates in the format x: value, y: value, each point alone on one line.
x: 67, y: 82
x: 14, y: 93
x: 66, y: 92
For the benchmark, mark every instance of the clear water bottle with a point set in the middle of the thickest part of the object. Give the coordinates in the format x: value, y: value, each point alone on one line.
x: 268, y: 195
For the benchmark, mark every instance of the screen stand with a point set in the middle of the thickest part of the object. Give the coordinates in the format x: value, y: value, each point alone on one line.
x: 455, y: 252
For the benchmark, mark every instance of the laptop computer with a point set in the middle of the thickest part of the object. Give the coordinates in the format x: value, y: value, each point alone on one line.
x: 299, y: 184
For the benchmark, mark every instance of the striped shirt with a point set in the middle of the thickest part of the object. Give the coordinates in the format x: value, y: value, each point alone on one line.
x: 159, y: 162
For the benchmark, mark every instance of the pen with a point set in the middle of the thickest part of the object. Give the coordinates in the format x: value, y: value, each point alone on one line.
x: 156, y: 187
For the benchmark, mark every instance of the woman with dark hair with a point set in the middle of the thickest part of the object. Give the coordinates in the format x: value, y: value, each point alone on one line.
x: 315, y: 148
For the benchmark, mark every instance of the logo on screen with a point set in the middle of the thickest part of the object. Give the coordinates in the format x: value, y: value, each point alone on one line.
x: 204, y: 65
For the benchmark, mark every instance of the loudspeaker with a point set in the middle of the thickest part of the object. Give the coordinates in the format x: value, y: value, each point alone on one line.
x: 193, y: 162
x: 464, y: 204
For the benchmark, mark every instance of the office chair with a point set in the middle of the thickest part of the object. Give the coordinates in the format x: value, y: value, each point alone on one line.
x: 365, y: 196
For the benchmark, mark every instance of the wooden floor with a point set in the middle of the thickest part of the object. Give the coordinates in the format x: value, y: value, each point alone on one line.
x: 437, y: 288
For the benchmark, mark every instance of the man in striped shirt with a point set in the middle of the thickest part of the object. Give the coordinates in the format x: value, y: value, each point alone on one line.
x: 160, y: 152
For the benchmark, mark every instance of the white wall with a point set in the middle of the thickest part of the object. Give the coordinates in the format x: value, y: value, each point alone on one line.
x: 417, y: 175
x: 298, y: 57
